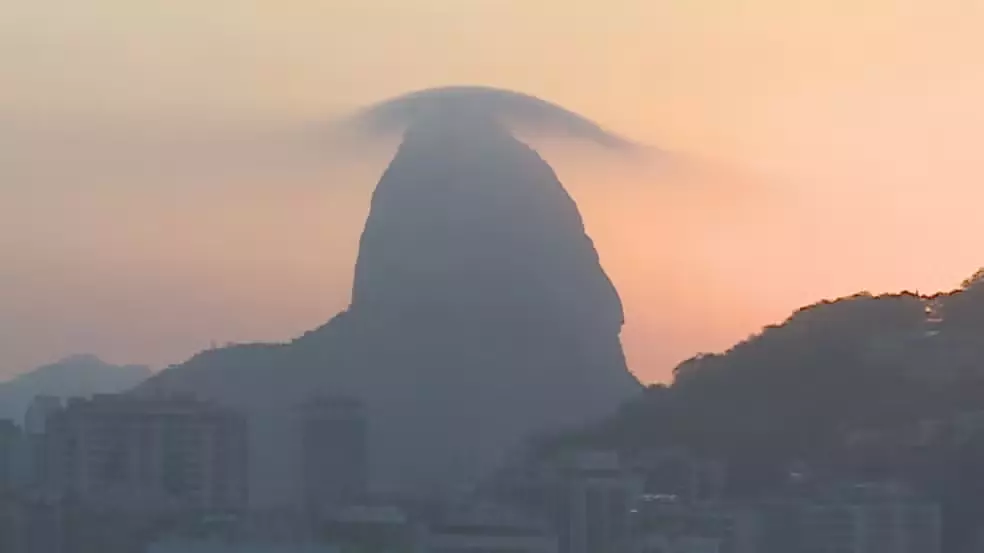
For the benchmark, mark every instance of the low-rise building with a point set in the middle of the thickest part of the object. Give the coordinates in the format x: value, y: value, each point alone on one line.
x: 488, y: 529
x: 871, y: 519
x: 661, y: 543
x: 586, y: 495
x: 676, y: 471
x: 663, y: 524
x: 361, y: 528
x: 217, y: 545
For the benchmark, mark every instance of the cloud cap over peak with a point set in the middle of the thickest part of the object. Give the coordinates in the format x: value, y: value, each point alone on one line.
x: 518, y: 111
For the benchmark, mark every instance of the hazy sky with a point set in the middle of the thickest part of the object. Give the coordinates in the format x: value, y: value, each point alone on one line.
x: 150, y: 201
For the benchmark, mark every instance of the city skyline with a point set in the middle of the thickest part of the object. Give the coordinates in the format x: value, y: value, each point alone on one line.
x: 491, y: 276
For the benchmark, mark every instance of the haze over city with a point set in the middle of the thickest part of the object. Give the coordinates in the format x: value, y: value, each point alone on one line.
x: 151, y: 202
x: 491, y: 276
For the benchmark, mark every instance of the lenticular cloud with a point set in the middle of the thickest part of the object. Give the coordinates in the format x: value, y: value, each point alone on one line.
x: 518, y: 111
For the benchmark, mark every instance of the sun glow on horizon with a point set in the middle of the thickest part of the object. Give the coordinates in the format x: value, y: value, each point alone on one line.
x: 132, y: 223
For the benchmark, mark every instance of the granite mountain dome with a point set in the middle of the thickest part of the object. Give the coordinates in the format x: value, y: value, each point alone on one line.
x: 480, y: 314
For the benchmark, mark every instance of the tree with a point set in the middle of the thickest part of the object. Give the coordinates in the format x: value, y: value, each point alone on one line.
x: 973, y: 280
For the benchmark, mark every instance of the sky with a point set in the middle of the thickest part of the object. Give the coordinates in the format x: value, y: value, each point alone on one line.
x: 153, y: 202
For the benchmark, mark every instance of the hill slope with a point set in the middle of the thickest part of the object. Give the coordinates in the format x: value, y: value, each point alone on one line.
x: 78, y: 375
x: 861, y: 387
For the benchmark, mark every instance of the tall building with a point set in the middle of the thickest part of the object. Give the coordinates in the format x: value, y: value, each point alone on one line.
x: 334, y: 452
x: 38, y: 412
x: 41, y: 409
x: 153, y: 453
x: 10, y: 443
x: 15, y: 459
x: 12, y: 523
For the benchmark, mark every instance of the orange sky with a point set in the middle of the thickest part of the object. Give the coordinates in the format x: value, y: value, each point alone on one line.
x: 837, y: 141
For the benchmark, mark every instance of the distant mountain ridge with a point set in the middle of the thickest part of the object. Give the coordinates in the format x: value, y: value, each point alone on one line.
x: 76, y: 375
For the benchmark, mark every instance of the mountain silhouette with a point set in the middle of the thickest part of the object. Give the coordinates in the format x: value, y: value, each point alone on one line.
x: 480, y: 315
x: 77, y: 375
x: 859, y: 388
